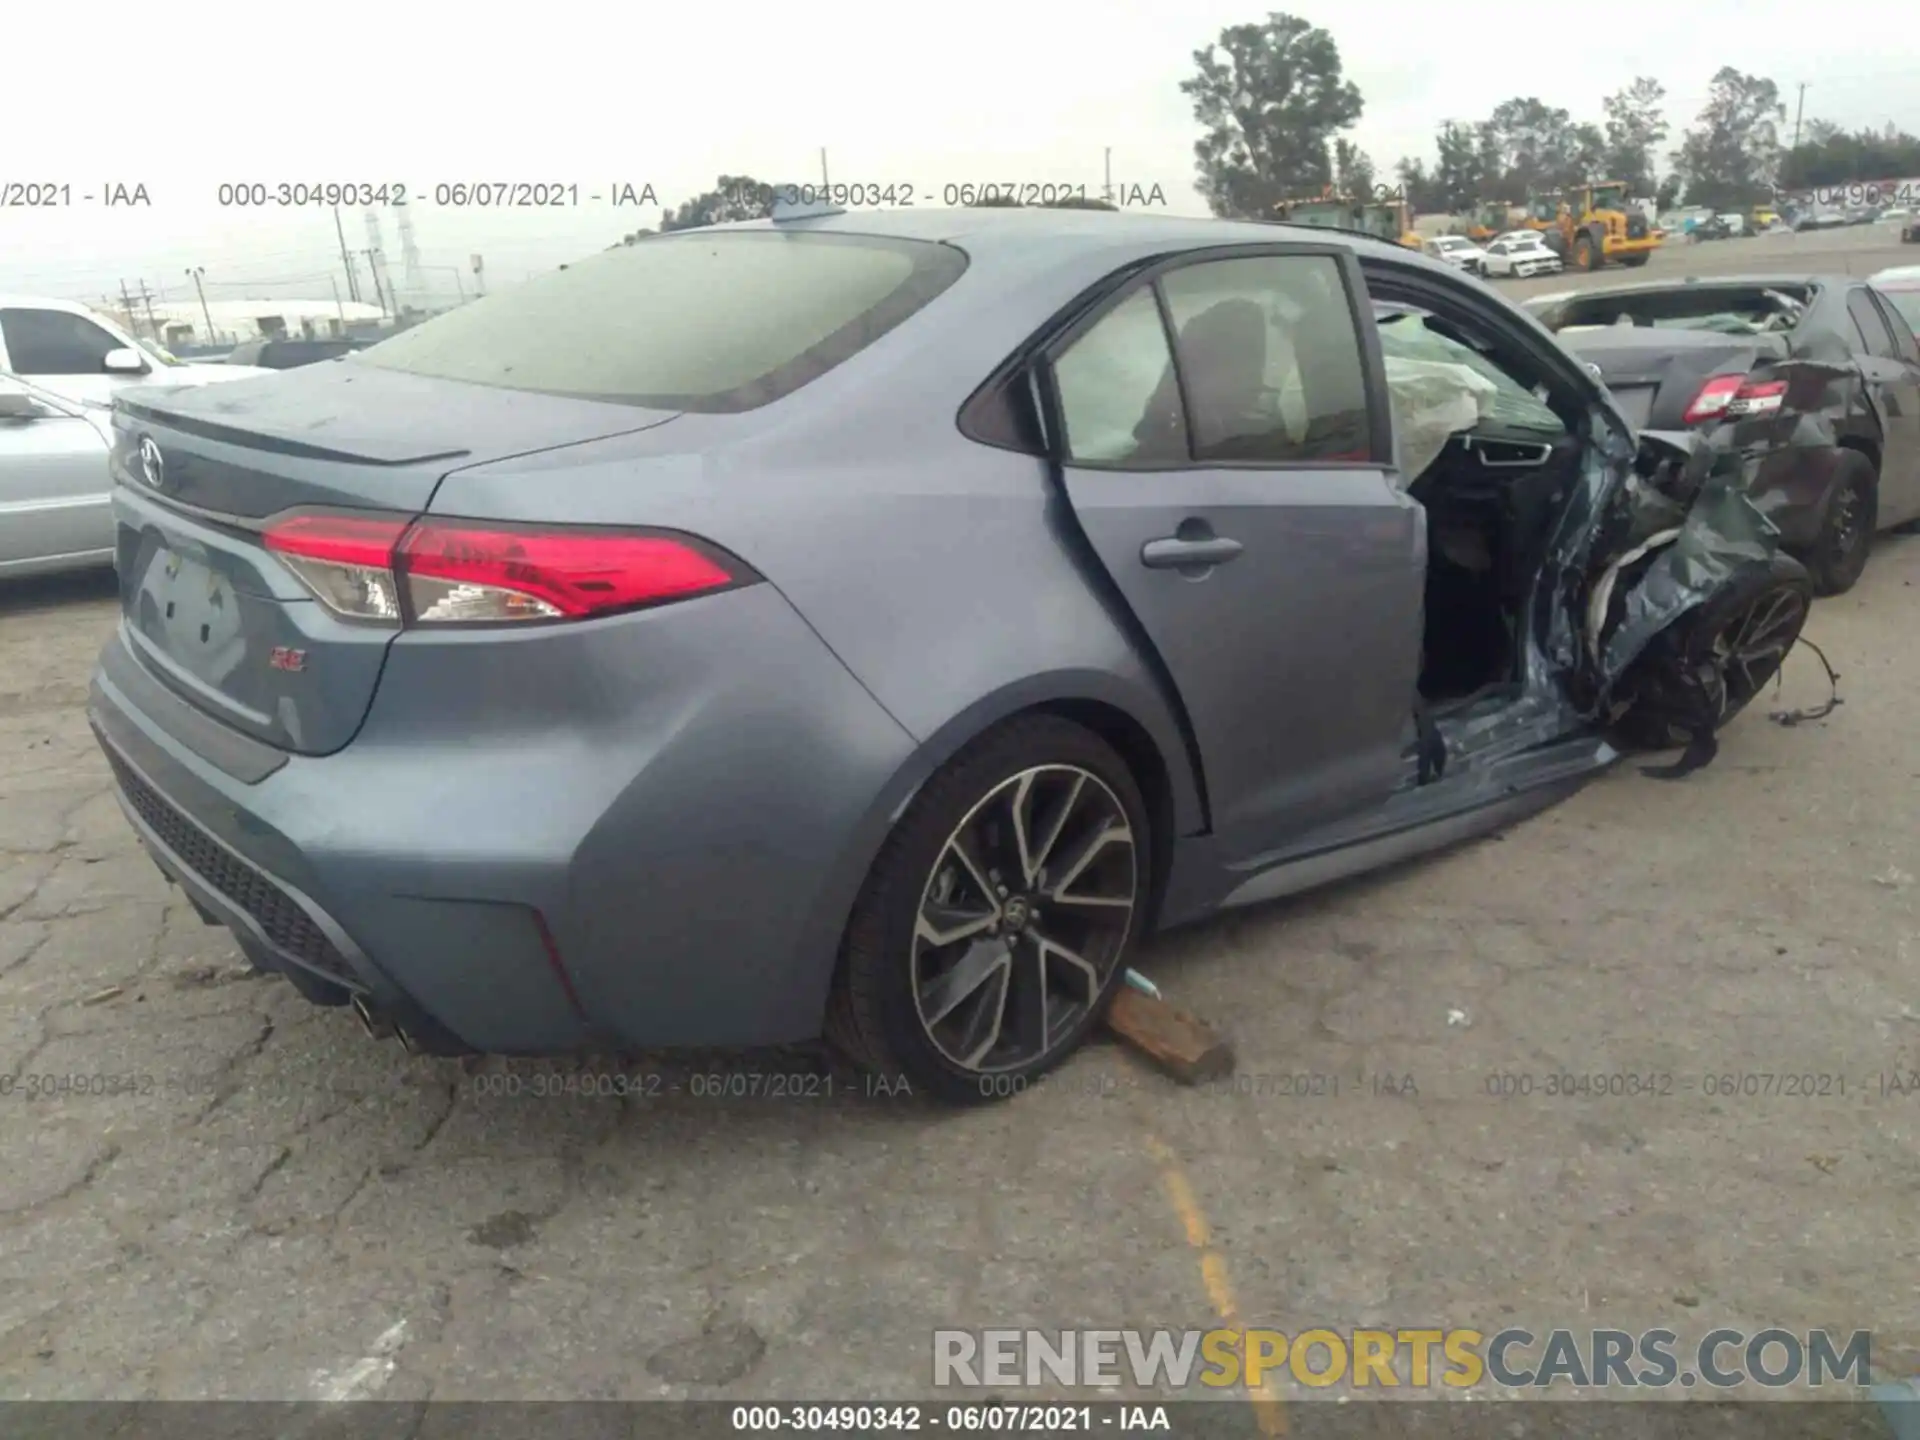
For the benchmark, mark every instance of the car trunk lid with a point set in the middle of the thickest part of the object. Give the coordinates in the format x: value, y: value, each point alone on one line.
x: 1656, y: 373
x: 208, y: 608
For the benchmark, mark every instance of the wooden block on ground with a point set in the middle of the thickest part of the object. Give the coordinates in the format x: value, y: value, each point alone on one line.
x: 1175, y: 1041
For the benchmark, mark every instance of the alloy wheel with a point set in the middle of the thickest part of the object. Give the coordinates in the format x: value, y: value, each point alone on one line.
x: 1751, y: 648
x: 1845, y: 520
x: 1023, y: 917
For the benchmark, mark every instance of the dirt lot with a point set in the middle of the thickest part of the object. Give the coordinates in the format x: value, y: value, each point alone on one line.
x: 283, y: 1207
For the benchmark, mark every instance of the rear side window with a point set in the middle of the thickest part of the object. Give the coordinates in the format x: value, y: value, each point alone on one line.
x: 54, y: 342
x: 1271, y: 360
x: 715, y: 322
x: 1900, y: 322
x: 1873, y: 329
x: 1119, y: 395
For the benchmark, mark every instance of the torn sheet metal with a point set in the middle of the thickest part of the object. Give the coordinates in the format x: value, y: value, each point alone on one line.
x: 1708, y: 491
x: 1433, y: 400
x: 1724, y: 534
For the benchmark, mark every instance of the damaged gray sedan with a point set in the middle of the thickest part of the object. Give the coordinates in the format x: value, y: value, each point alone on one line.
x: 878, y: 623
x: 1819, y: 378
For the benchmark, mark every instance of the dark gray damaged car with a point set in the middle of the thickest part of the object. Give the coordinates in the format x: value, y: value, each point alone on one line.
x: 875, y: 625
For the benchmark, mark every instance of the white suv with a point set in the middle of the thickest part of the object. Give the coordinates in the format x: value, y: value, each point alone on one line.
x: 79, y: 354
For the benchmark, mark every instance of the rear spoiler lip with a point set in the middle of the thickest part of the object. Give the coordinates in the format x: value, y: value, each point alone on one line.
x: 266, y: 440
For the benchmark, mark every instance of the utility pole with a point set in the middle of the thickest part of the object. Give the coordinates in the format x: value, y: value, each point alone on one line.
x: 346, y: 256
x: 126, y: 307
x: 379, y: 294
x: 196, y: 272
x: 823, y: 167
x: 339, y: 309
x: 153, y: 325
x: 1106, y: 193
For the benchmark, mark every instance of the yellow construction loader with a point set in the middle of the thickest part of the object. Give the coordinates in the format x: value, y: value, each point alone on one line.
x: 1592, y: 226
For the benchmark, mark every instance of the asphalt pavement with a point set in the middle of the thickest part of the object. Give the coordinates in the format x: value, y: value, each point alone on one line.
x: 212, y: 1189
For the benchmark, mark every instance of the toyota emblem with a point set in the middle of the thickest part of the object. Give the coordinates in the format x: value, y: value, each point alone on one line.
x: 153, y: 466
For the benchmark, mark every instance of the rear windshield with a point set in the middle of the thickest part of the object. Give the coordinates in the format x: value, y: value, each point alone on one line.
x: 705, y: 321
x: 1730, y: 310
x: 306, y: 352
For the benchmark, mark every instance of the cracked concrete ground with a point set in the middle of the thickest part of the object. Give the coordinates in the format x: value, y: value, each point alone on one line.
x: 294, y: 1210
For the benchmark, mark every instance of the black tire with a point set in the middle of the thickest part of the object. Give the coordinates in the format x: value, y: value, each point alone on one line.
x: 874, y: 1014
x: 1664, y: 685
x: 1838, y: 558
x: 1586, y: 255
x: 1635, y: 261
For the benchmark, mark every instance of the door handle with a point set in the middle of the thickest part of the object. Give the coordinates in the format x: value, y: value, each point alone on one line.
x: 1173, y: 553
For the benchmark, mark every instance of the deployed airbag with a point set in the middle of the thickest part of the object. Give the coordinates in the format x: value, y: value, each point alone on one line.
x: 1433, y: 400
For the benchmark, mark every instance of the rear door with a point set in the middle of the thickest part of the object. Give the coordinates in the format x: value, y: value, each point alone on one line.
x: 1894, y: 381
x: 1226, y: 452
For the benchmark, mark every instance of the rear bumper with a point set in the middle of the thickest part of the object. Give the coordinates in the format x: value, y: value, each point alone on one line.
x: 531, y: 873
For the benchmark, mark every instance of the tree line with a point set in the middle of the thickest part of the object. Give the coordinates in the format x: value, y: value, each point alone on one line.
x: 1275, y: 107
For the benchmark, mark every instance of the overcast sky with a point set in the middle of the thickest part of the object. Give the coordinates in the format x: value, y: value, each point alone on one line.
x: 206, y: 91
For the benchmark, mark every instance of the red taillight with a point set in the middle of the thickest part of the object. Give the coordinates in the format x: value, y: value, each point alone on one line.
x: 337, y: 539
x: 345, y: 560
x: 1759, y: 399
x: 1714, y: 397
x: 570, y: 574
x: 1726, y: 396
x: 460, y: 572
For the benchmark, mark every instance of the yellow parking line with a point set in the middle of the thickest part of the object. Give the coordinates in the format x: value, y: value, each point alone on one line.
x: 1267, y: 1412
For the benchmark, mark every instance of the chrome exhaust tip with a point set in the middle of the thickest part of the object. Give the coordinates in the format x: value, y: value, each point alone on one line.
x: 376, y: 1025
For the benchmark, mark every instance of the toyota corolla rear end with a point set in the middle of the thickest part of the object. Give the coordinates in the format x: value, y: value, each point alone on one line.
x: 441, y: 680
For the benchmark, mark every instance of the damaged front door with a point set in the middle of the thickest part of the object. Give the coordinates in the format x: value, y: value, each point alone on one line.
x: 1240, y: 500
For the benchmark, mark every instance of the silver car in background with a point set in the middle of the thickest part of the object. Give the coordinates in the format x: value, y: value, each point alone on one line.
x: 54, y: 512
x: 61, y: 365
